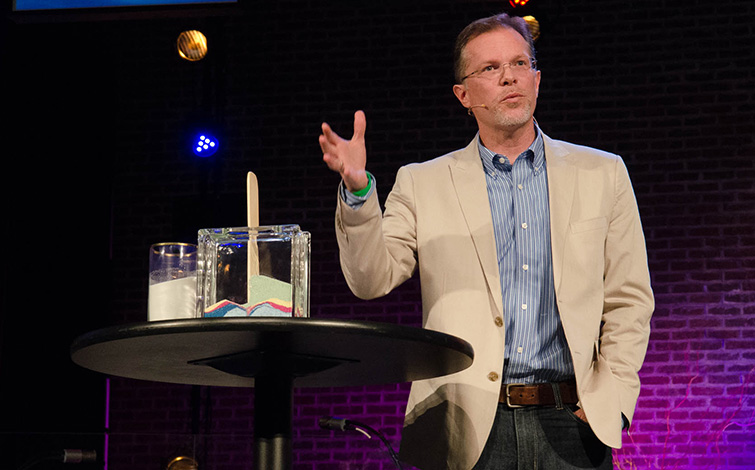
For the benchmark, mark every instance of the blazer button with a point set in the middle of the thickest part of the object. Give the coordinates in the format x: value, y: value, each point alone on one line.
x: 498, y: 321
x: 493, y: 376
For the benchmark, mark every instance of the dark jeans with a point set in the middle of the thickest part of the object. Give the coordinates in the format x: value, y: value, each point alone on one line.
x: 545, y: 438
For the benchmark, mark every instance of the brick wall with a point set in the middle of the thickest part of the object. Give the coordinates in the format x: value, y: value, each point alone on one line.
x: 668, y: 85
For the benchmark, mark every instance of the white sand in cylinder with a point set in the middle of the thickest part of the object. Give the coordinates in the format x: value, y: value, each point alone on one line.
x: 172, y: 299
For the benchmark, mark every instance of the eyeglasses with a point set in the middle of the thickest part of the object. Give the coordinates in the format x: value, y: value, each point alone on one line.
x: 492, y: 71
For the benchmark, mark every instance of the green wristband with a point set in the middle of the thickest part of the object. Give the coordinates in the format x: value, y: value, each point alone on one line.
x: 363, y: 192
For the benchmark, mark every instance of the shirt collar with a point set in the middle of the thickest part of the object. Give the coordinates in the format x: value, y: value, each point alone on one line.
x: 535, y: 154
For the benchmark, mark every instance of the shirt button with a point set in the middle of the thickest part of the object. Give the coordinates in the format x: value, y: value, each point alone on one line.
x: 524, y: 306
x: 524, y: 225
x: 520, y: 186
x: 519, y: 350
x: 525, y: 267
x: 493, y: 376
x: 501, y: 160
x: 498, y: 321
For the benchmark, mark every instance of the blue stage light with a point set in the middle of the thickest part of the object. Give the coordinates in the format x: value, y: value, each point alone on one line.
x: 205, y: 145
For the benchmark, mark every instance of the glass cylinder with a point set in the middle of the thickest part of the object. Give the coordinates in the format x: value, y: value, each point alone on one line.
x: 172, y: 281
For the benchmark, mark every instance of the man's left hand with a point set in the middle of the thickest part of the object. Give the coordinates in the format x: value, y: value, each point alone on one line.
x: 580, y: 413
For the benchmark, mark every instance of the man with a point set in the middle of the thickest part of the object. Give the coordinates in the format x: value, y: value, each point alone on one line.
x: 529, y: 248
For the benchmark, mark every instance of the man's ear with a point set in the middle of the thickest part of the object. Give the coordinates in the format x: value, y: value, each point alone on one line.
x: 461, y: 94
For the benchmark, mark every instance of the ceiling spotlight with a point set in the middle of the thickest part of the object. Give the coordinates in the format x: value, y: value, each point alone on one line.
x: 518, y: 3
x: 182, y: 463
x: 205, y: 145
x: 192, y: 45
x: 533, y: 25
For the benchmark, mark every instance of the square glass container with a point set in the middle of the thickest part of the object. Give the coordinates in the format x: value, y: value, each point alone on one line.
x: 253, y: 272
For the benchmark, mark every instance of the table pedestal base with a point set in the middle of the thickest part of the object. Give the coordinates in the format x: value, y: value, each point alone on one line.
x: 273, y: 410
x: 274, y: 373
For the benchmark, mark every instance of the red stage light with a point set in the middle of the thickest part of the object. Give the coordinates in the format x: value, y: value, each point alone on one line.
x: 518, y: 3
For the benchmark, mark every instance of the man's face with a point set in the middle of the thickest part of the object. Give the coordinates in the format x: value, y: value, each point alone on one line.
x: 510, y: 96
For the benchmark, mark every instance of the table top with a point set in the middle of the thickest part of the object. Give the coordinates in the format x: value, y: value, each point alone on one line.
x: 232, y: 351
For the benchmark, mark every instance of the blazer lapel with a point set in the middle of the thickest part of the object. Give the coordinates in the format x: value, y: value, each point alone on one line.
x: 561, y: 180
x: 469, y: 183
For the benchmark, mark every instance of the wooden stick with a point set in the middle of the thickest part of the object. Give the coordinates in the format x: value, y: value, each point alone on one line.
x: 252, y: 221
x: 252, y: 201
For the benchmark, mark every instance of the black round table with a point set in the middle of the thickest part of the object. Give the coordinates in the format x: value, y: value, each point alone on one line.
x: 273, y: 355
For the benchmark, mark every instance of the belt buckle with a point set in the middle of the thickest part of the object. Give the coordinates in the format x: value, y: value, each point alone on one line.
x: 508, y: 395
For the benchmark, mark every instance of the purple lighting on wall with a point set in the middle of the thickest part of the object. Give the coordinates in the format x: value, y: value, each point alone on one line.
x: 107, y: 425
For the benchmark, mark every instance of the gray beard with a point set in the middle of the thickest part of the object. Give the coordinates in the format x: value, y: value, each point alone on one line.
x: 516, y: 117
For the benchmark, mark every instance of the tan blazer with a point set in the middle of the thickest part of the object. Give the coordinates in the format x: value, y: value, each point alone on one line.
x: 437, y: 218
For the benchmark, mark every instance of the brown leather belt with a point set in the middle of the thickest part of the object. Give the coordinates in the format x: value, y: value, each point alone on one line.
x: 517, y: 395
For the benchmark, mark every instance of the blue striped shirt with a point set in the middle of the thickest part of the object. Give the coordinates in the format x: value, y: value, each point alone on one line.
x: 535, y: 347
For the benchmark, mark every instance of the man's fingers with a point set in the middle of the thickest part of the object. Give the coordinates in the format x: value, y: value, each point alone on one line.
x: 321, y: 141
x: 335, y: 165
x: 324, y: 144
x: 329, y: 140
x: 360, y: 125
x: 327, y: 133
x: 341, y: 155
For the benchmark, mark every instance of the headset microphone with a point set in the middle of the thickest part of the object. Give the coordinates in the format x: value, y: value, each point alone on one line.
x: 469, y: 109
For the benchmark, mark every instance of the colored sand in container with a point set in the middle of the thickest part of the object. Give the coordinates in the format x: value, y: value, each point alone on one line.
x: 268, y: 297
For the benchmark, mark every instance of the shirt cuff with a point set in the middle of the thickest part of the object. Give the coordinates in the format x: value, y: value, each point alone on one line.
x: 355, y: 201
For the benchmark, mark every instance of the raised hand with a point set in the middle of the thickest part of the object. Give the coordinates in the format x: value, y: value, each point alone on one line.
x: 347, y: 157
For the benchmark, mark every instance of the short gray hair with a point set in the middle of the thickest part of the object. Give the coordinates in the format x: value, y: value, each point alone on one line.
x: 485, y: 25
